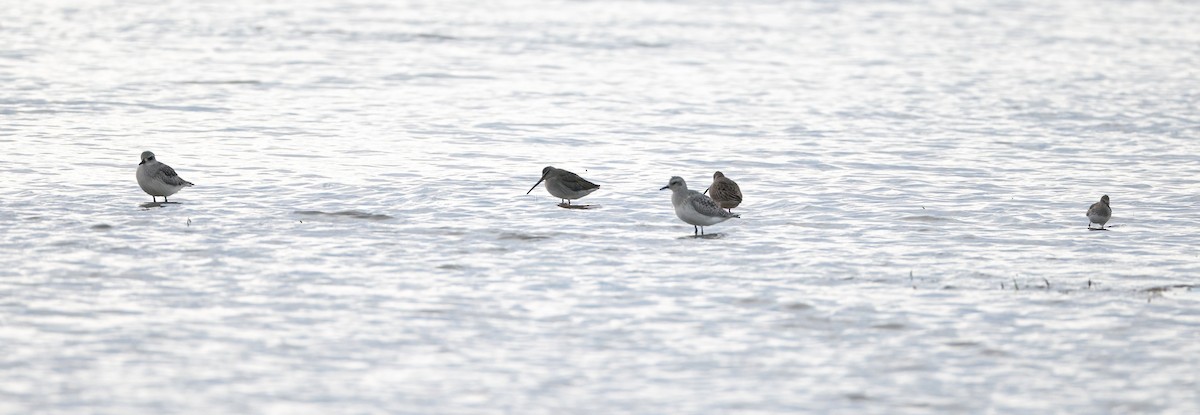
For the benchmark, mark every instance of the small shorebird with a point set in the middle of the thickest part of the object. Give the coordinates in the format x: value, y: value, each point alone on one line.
x: 1099, y: 212
x: 158, y: 179
x: 564, y: 184
x: 694, y: 207
x: 725, y: 192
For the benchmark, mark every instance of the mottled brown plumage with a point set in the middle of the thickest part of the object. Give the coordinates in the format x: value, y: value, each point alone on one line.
x: 724, y: 191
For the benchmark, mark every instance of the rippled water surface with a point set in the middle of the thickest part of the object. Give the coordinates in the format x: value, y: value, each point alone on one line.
x: 359, y: 240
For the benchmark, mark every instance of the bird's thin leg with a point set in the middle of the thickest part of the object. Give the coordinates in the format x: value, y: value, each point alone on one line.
x: 164, y: 199
x: 701, y: 231
x: 695, y: 230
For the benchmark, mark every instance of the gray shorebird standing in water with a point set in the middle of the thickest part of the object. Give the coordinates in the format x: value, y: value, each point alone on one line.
x: 694, y: 207
x: 564, y: 185
x: 724, y: 191
x: 158, y: 179
x: 1099, y: 212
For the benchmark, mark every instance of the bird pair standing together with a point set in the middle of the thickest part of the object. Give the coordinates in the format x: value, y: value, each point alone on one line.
x: 691, y: 206
x: 699, y: 210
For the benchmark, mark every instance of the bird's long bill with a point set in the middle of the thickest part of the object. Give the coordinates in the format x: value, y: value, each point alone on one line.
x: 665, y: 187
x: 535, y: 184
x: 143, y: 162
x: 706, y: 190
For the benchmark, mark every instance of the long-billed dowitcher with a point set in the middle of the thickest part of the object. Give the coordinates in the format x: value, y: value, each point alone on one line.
x: 1100, y: 212
x: 564, y: 185
x: 157, y: 178
x: 724, y: 191
x: 694, y: 207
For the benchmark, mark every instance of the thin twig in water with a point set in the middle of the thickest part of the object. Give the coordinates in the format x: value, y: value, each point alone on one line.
x: 1047, y: 283
x: 1015, y: 286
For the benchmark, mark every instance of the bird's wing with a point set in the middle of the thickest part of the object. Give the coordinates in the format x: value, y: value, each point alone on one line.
x: 1099, y: 208
x: 573, y: 181
x: 705, y: 205
x: 168, y: 176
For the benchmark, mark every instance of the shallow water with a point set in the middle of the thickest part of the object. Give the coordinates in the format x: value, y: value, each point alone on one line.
x: 359, y: 240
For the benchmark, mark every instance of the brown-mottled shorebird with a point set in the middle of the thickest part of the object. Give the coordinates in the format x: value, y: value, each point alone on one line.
x: 724, y: 191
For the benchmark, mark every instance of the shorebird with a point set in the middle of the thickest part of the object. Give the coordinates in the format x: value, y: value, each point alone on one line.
x: 158, y: 179
x: 564, y: 184
x: 1099, y: 212
x: 725, y: 192
x: 694, y: 207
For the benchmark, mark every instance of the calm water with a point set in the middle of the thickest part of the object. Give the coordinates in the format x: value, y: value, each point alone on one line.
x: 359, y: 240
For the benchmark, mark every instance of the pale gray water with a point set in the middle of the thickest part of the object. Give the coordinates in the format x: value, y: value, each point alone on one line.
x: 359, y: 240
